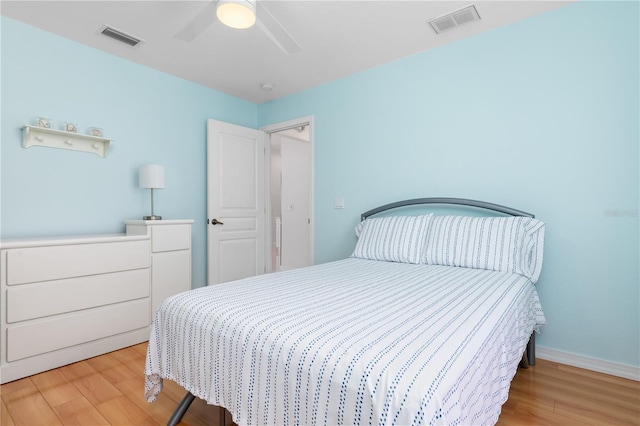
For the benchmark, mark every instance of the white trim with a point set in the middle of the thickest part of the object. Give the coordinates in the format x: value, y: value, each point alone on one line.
x: 289, y: 124
x: 593, y: 364
x: 277, y: 127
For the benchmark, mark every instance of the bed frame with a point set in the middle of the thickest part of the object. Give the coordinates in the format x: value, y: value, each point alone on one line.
x: 529, y: 357
x: 454, y: 201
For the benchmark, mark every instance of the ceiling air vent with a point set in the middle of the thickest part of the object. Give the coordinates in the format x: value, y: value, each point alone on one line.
x: 120, y: 36
x: 455, y: 19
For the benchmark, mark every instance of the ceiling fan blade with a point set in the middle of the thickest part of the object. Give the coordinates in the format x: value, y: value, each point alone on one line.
x: 276, y: 32
x: 198, y: 24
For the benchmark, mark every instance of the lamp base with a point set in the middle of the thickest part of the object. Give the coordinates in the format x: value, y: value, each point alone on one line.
x: 153, y: 217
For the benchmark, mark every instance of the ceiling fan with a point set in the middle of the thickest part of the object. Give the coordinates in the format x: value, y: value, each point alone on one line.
x: 263, y: 19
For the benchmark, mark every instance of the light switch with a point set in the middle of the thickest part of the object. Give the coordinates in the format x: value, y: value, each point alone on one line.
x: 338, y: 203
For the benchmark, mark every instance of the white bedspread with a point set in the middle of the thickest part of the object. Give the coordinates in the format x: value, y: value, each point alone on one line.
x: 349, y: 342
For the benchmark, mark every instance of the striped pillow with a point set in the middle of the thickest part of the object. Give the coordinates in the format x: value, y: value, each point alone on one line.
x: 393, y: 239
x: 509, y: 244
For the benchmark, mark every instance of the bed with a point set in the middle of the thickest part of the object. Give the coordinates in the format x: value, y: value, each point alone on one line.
x: 425, y: 323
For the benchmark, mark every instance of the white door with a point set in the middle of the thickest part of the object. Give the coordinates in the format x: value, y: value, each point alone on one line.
x: 296, y: 222
x: 235, y: 201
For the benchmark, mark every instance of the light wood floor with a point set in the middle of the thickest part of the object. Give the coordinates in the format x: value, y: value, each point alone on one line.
x: 108, y: 390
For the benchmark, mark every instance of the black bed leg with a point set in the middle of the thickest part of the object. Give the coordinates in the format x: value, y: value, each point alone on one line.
x: 531, y: 349
x: 182, y: 408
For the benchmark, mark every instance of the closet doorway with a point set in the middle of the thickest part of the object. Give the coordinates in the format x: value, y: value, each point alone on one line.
x: 290, y: 195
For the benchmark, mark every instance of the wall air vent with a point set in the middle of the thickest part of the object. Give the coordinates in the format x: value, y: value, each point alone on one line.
x: 455, y: 19
x: 120, y: 36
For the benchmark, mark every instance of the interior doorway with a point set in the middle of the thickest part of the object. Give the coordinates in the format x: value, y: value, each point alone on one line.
x: 290, y: 196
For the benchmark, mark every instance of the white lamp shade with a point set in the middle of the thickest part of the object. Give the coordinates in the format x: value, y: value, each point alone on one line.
x: 151, y: 176
x: 239, y: 14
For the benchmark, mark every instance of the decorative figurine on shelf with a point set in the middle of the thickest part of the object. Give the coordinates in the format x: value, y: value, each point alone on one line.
x: 70, y: 127
x: 95, y: 131
x: 43, y: 122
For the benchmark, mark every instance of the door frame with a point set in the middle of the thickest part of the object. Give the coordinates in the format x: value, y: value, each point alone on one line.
x: 278, y: 127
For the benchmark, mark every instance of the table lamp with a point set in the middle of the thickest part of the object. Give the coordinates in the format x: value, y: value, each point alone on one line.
x: 151, y: 176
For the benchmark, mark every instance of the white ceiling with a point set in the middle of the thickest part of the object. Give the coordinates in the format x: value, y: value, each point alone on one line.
x: 337, y: 38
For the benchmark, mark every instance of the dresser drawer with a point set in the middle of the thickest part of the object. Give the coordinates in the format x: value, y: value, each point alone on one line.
x: 42, y: 336
x: 27, y: 265
x: 168, y: 238
x: 30, y: 301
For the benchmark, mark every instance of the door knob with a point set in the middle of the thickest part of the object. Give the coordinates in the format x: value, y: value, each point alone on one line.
x: 216, y: 222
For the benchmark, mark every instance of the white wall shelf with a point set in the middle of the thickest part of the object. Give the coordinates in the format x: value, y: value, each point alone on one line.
x: 41, y: 136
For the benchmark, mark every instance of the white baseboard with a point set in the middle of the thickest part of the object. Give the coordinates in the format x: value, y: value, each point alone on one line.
x: 594, y: 364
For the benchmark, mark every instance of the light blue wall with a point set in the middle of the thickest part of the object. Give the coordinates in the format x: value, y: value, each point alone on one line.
x: 541, y: 115
x: 152, y: 117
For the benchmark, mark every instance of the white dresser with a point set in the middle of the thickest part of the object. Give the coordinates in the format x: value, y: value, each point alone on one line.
x: 70, y: 298
x: 170, y: 255
x: 67, y: 299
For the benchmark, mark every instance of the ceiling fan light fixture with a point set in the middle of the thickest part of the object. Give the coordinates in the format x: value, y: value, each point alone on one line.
x: 239, y: 14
